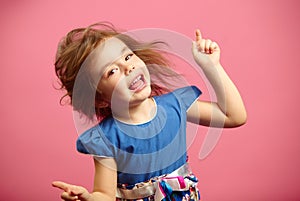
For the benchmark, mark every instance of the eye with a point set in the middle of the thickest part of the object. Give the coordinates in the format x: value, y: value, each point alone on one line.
x: 128, y: 56
x: 112, y: 71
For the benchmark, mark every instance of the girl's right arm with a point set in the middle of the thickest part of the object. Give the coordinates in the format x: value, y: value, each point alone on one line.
x: 105, y: 184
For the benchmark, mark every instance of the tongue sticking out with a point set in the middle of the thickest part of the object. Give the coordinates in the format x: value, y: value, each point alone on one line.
x: 137, y: 83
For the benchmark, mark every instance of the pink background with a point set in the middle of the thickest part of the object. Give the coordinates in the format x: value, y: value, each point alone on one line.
x: 260, y: 51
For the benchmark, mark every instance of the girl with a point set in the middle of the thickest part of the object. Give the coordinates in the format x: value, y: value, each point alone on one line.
x: 139, y: 144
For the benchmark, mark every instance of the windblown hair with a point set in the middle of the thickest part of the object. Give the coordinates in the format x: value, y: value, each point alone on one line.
x: 79, y: 43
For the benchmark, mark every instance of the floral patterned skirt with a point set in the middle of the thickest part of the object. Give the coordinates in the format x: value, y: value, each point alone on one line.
x: 181, y: 185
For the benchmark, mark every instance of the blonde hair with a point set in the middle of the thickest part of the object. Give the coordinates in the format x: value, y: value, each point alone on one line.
x: 76, y: 46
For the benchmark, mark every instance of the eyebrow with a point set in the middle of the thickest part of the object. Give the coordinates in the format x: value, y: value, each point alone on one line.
x: 124, y: 49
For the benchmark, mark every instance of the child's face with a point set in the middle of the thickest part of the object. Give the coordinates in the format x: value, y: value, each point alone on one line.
x: 125, y: 78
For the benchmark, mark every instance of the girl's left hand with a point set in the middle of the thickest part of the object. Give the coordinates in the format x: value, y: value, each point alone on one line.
x: 72, y: 192
x: 206, y: 52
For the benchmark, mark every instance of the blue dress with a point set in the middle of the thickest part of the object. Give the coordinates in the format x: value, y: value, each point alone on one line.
x: 149, y: 150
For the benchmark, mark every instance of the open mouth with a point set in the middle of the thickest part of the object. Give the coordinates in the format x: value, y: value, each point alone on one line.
x: 138, y: 83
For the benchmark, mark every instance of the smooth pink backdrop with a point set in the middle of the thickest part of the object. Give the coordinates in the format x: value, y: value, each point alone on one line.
x: 260, y: 51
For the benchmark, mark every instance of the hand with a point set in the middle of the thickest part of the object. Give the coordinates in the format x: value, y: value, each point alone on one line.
x: 72, y: 192
x: 205, y: 52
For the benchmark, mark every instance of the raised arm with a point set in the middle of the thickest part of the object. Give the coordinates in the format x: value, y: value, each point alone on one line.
x: 229, y: 110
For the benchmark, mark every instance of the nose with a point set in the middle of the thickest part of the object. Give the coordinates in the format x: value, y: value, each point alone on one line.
x: 129, y: 69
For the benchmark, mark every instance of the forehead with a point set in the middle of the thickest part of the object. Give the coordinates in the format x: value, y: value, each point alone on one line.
x: 110, y: 47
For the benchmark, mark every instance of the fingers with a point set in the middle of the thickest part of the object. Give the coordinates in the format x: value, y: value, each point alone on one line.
x: 198, y: 35
x: 205, y: 45
x: 67, y: 196
x: 210, y: 46
x: 71, y: 192
x: 77, y: 190
x: 61, y: 185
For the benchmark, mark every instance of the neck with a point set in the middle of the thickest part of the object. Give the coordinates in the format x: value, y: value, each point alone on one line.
x: 136, y: 113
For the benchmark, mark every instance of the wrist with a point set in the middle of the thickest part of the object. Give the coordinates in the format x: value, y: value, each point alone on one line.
x: 210, y: 66
x: 93, y: 197
x: 89, y: 197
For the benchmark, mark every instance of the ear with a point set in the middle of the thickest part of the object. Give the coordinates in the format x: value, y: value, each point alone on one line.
x: 100, y: 101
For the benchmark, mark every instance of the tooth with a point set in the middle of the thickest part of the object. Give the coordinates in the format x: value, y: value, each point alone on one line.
x: 137, y: 79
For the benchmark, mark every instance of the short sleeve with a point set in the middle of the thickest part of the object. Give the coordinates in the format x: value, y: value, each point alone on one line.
x: 93, y: 142
x: 187, y: 96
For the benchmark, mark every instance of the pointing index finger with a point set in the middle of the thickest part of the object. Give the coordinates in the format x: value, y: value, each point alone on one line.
x: 61, y: 185
x: 198, y: 35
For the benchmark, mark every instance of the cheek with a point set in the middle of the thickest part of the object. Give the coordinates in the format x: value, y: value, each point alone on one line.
x: 113, y: 88
x: 105, y: 90
x: 146, y: 73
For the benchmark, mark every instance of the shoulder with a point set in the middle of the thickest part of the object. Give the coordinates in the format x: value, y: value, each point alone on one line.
x: 188, y: 90
x: 185, y: 96
x: 94, y: 141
